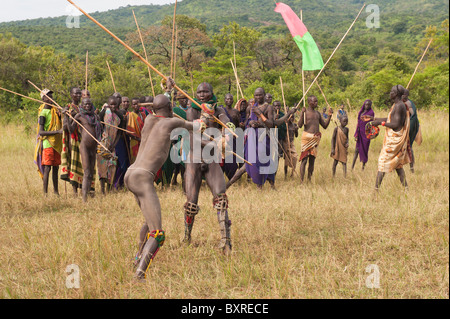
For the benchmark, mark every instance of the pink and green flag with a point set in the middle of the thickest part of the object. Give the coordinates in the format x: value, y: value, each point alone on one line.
x: 312, y: 60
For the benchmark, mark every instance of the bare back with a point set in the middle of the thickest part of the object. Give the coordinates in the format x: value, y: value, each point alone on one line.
x: 155, y: 143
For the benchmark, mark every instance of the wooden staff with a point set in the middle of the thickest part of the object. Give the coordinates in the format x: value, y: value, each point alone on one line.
x: 237, y: 78
x: 332, y: 54
x: 349, y: 105
x: 126, y: 131
x: 303, y: 71
x: 87, y: 68
x: 146, y: 62
x: 173, y: 38
x: 287, y: 126
x: 323, y: 94
x: 70, y: 115
x: 175, y: 54
x: 145, y: 53
x: 420, y: 61
x: 112, y: 78
x: 27, y: 97
x: 237, y: 84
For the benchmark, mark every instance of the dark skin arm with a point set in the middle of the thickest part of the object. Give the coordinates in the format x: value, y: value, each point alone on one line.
x: 42, y: 131
x: 398, y: 117
x: 295, y: 130
x: 280, y: 121
x: 325, y: 123
x: 346, y: 130
x: 333, y: 141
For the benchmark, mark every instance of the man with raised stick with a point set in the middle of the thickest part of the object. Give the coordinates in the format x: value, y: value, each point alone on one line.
x: 49, y: 143
x: 71, y: 171
x: 312, y: 120
x: 88, y: 146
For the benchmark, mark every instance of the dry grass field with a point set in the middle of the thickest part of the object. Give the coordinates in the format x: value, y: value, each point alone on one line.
x: 301, y: 241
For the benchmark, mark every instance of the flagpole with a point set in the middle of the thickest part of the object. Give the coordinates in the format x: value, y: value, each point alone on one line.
x: 87, y: 68
x: 173, y: 38
x: 303, y: 71
x: 332, y: 54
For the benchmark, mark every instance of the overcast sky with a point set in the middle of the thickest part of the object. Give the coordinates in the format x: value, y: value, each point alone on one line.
x: 13, y: 10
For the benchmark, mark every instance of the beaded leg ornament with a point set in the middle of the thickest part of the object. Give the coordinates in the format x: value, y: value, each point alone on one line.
x: 221, y: 204
x: 190, y: 211
x: 149, y: 251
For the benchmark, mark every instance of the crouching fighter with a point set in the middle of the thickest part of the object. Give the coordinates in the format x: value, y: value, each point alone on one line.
x: 139, y: 179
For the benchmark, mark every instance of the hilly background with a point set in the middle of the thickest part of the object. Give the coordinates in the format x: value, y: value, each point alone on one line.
x: 397, y: 17
x: 368, y: 63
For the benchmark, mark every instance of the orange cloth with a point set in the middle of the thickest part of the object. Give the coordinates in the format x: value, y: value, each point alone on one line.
x: 310, y: 144
x: 394, y: 153
x: 50, y: 157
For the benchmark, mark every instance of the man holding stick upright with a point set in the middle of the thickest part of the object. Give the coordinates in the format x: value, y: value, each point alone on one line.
x: 311, y: 135
x: 71, y: 169
x: 395, y: 151
x: 49, y: 144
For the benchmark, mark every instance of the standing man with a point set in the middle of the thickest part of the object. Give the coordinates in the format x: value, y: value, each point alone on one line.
x: 71, y: 169
x: 311, y: 135
x: 197, y: 168
x: 88, y: 146
x: 394, y: 153
x: 49, y: 144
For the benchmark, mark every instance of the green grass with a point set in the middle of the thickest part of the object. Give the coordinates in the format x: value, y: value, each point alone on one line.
x: 301, y: 241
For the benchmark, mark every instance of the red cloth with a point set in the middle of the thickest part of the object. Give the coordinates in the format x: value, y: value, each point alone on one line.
x: 50, y: 157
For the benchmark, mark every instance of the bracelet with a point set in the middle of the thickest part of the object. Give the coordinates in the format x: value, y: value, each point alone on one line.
x: 263, y: 118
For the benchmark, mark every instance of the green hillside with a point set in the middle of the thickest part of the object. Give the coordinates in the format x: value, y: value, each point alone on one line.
x: 321, y: 17
x: 367, y: 64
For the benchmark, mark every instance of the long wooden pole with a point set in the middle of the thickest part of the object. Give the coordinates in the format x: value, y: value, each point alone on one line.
x: 145, y: 53
x: 27, y: 97
x: 175, y: 54
x: 146, y: 62
x: 418, y: 64
x: 287, y: 126
x: 70, y: 115
x: 303, y: 71
x: 237, y: 84
x: 53, y: 105
x: 87, y: 69
x: 326, y: 101
x: 237, y: 78
x: 173, y: 38
x: 332, y: 54
x: 112, y: 78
